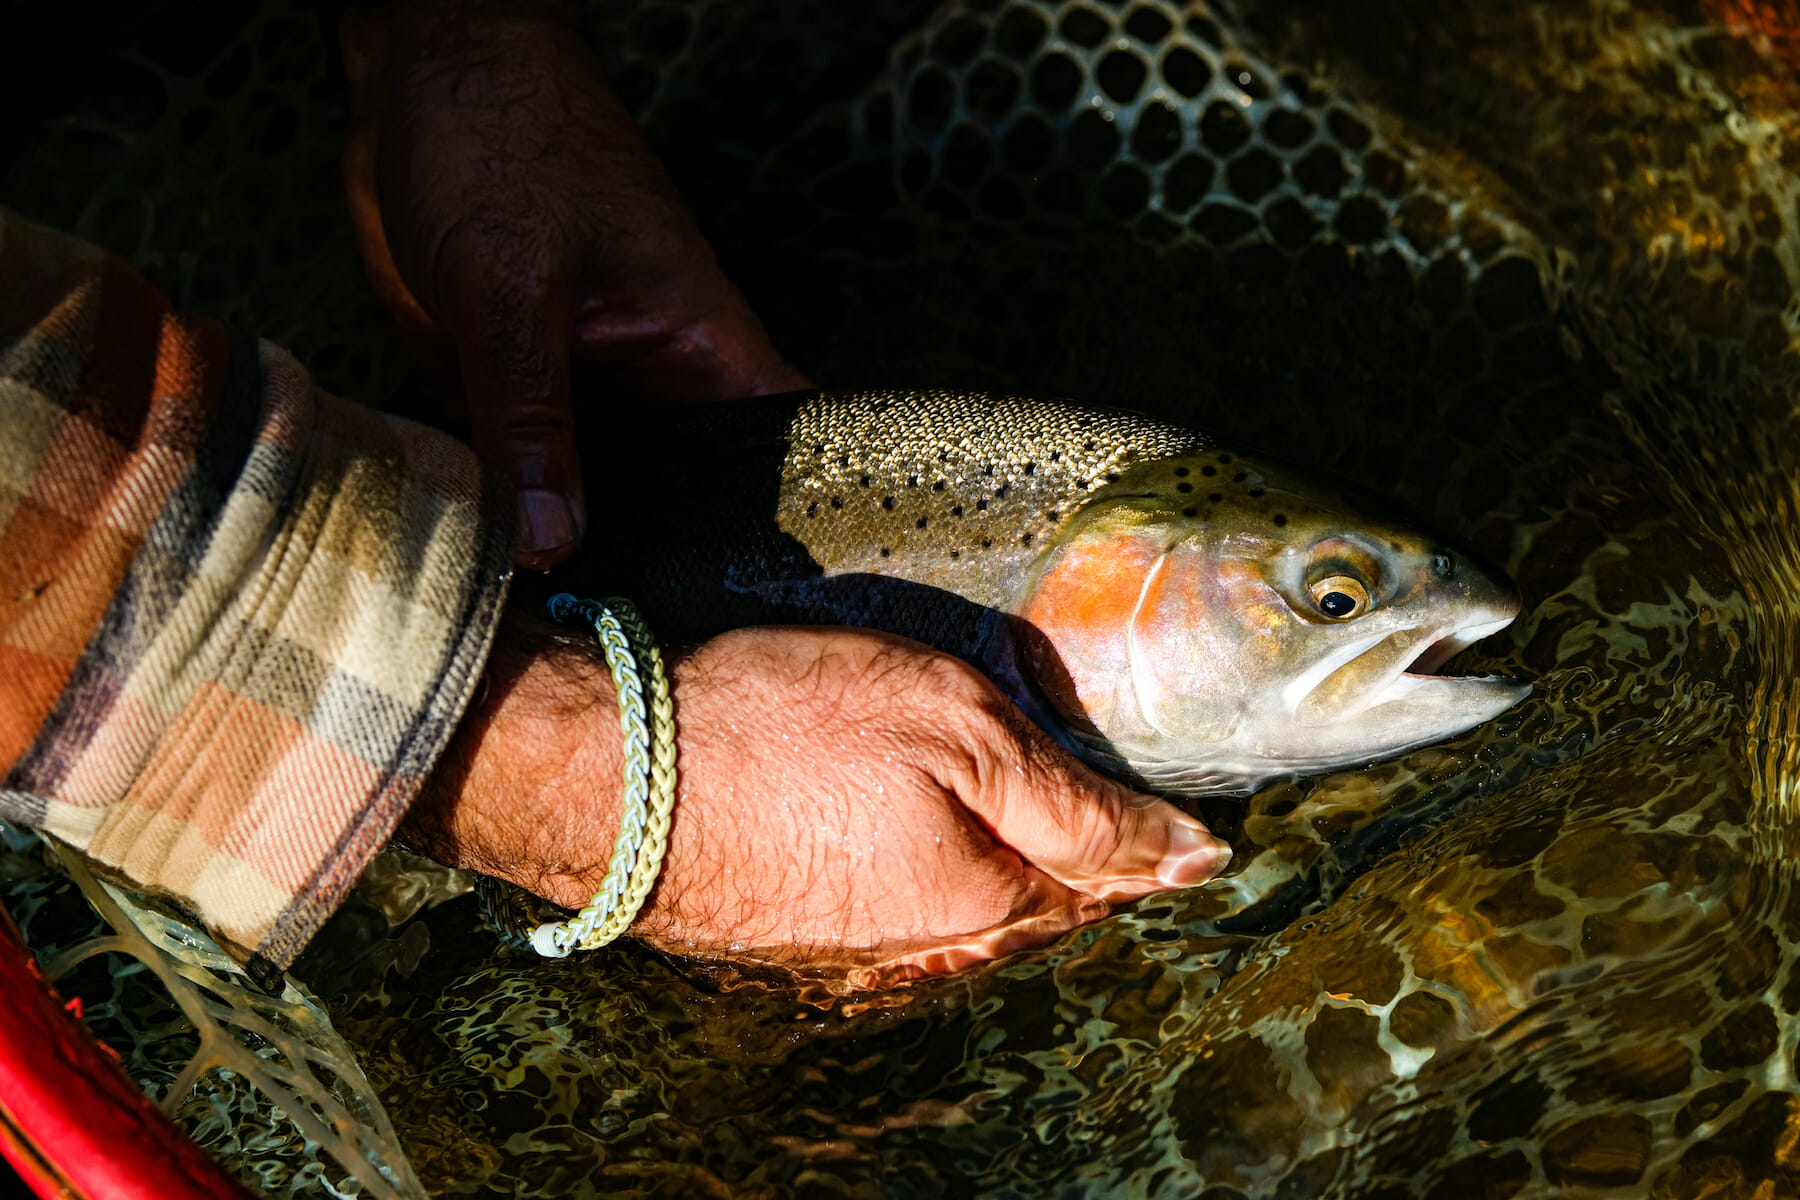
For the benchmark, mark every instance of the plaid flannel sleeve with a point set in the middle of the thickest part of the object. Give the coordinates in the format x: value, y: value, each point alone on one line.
x: 239, y: 617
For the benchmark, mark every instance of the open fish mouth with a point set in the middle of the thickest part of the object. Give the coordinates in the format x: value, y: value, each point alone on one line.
x: 1397, y: 670
x: 1449, y: 645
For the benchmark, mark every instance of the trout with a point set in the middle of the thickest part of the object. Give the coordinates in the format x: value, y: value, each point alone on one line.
x: 1178, y: 613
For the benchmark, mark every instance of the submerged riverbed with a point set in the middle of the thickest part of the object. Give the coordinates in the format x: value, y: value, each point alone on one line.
x: 1530, y: 270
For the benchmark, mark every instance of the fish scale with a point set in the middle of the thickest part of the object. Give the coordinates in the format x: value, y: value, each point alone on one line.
x: 966, y: 489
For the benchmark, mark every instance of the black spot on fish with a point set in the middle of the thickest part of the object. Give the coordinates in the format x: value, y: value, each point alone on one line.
x: 919, y: 524
x: 812, y: 510
x: 988, y: 470
x: 1112, y: 477
x: 956, y: 554
x: 1189, y: 512
x: 1215, y: 497
x: 986, y: 542
x: 1184, y: 487
x: 1088, y: 445
x: 1056, y: 456
x: 1000, y: 492
x: 1280, y: 519
x: 981, y: 506
x: 865, y: 481
x: 957, y: 511
x: 938, y: 486
x: 1050, y: 514
x: 843, y: 460
x: 1181, y: 471
x: 1209, y: 470
x: 1025, y: 540
x: 837, y: 502
x: 943, y: 456
x: 1224, y: 458
x: 887, y: 502
x: 818, y: 447
x: 1240, y: 477
x: 1256, y: 493
x: 912, y: 481
x: 885, y: 552
x: 1030, y: 467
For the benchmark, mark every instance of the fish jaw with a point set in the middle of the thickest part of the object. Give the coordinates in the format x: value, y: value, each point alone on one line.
x: 1416, y: 710
x: 1388, y: 669
x: 1386, y: 699
x: 1371, y: 698
x: 1412, y: 711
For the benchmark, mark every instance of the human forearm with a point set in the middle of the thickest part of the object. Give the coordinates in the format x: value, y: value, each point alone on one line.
x: 528, y: 788
x: 845, y: 798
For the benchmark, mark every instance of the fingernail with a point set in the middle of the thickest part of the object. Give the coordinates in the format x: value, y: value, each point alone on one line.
x: 1193, y: 856
x: 546, y: 522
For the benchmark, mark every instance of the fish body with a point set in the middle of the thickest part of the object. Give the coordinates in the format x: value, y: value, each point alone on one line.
x: 1178, y: 612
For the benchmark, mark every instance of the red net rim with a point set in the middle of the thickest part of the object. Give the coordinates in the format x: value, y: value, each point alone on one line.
x: 72, y: 1124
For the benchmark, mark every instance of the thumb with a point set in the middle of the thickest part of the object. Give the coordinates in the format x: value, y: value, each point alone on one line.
x: 1087, y: 832
x: 513, y: 349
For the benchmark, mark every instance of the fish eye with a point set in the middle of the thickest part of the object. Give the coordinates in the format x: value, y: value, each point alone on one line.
x: 1340, y: 597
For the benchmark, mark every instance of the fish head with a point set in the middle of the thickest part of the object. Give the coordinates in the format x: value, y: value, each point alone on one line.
x: 1254, y: 624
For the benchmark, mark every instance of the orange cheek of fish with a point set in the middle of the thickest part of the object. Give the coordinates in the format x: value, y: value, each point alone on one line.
x: 1081, y: 613
x: 1262, y: 617
x: 1200, y: 643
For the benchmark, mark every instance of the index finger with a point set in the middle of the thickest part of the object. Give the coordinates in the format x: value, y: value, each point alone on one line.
x: 513, y: 336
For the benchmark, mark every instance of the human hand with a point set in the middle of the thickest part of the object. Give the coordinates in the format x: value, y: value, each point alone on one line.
x: 847, y: 799
x: 511, y: 219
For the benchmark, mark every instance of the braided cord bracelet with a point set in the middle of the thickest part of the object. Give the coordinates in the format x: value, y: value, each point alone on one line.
x: 647, y: 721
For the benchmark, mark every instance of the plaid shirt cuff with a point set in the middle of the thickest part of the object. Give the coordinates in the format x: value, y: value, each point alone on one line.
x: 239, y: 617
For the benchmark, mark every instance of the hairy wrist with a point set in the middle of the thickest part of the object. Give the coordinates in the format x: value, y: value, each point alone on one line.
x: 528, y: 788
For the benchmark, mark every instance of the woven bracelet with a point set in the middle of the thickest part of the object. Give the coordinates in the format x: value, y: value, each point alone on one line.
x: 647, y: 723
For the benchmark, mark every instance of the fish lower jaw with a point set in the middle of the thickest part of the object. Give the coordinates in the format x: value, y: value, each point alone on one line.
x: 1407, y: 712
x: 1416, y: 710
x: 1370, y: 698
